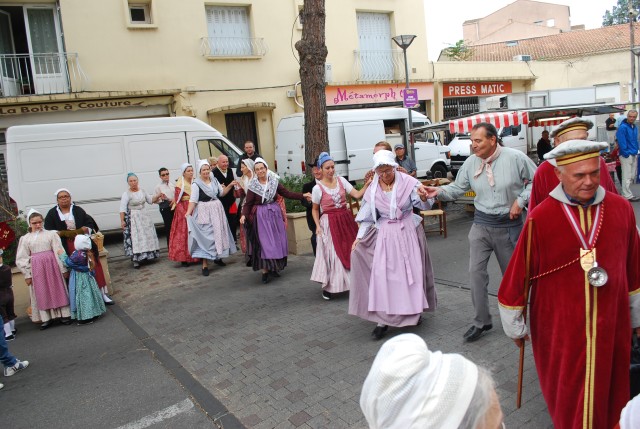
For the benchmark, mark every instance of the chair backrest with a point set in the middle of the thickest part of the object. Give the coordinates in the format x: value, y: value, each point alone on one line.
x: 354, y: 205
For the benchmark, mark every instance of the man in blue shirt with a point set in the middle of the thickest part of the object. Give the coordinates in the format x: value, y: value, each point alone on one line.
x: 627, y: 136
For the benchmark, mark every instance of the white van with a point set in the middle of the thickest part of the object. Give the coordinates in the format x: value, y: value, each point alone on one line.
x: 352, y: 135
x: 92, y: 160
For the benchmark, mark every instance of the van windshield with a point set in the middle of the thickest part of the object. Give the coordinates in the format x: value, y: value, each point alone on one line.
x: 216, y: 147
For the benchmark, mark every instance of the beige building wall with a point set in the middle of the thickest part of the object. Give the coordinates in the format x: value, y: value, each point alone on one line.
x: 167, y: 56
x: 480, y: 31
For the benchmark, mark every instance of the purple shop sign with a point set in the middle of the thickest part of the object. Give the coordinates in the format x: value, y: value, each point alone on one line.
x: 410, y: 97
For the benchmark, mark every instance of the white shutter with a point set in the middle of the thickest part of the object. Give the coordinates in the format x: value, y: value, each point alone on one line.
x: 228, y: 28
x: 374, y: 35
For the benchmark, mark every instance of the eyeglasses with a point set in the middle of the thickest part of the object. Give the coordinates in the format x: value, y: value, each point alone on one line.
x: 385, y: 172
x: 164, y: 174
x: 64, y: 197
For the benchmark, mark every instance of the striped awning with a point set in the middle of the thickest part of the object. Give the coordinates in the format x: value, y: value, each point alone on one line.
x: 549, y: 121
x: 498, y: 119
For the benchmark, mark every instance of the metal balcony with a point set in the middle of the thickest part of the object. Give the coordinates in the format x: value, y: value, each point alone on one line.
x: 232, y: 47
x: 41, y: 74
x: 378, y: 65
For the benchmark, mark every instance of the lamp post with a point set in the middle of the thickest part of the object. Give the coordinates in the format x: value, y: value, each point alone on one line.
x: 403, y: 42
x: 632, y: 15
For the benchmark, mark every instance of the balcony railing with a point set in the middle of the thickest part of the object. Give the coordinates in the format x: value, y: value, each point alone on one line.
x: 232, y: 47
x: 40, y: 74
x: 378, y: 65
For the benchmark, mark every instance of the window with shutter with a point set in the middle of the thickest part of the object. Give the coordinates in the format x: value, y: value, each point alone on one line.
x: 376, y: 54
x: 229, y: 32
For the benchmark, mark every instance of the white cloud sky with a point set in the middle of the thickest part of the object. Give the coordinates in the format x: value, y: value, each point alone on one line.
x: 444, y: 18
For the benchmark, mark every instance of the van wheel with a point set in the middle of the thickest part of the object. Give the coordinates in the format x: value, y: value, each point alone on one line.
x: 441, y: 169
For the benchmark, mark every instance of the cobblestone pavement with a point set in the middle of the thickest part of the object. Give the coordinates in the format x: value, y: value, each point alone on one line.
x: 279, y: 356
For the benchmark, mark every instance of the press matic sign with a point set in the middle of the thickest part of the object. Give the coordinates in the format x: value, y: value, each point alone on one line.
x: 476, y: 89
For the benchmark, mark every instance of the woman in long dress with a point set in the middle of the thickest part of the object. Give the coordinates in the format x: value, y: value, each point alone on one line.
x: 210, y: 237
x: 243, y: 186
x: 44, y: 273
x: 265, y: 222
x: 69, y: 220
x: 84, y: 296
x: 335, y: 228
x: 179, y: 239
x: 391, y: 274
x: 140, y: 238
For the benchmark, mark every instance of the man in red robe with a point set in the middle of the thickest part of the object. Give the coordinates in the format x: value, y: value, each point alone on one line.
x: 580, y: 331
x: 545, y: 178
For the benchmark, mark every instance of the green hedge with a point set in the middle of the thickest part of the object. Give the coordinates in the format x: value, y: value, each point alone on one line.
x: 294, y: 183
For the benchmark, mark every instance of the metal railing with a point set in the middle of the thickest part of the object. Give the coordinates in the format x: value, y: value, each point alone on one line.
x: 38, y: 74
x: 232, y: 47
x: 378, y: 65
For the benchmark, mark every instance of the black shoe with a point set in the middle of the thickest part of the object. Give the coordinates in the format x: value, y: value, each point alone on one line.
x: 274, y: 273
x: 205, y: 271
x: 85, y: 322
x: 10, y: 338
x: 265, y: 278
x: 184, y: 264
x: 326, y: 295
x: 379, y: 332
x: 112, y: 302
x: 474, y: 333
x: 46, y: 325
x: 249, y: 262
x: 66, y: 321
x: 419, y: 322
x: 219, y: 262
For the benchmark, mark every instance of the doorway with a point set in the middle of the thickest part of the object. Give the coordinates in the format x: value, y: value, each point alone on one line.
x: 242, y: 127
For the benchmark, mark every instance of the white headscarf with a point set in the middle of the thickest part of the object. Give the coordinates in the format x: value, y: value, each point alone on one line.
x: 201, y: 163
x: 183, y: 168
x: 410, y: 387
x: 32, y: 211
x: 630, y: 416
x: 244, y: 180
x: 82, y: 242
x: 380, y: 158
x: 62, y: 190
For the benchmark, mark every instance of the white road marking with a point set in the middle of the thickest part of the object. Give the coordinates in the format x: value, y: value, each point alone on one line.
x: 159, y: 416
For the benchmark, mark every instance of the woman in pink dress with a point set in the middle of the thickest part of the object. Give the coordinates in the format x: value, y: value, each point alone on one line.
x: 335, y: 228
x: 179, y: 238
x: 44, y: 273
x: 391, y: 274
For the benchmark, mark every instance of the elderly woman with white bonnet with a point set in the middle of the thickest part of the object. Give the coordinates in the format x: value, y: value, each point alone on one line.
x: 69, y: 220
x: 179, y: 238
x: 391, y: 275
x: 210, y: 237
x: 43, y: 272
x: 140, y: 238
x: 265, y: 221
x: 84, y: 297
x: 412, y: 387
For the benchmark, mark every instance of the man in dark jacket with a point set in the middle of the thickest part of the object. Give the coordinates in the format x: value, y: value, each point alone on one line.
x: 249, y: 153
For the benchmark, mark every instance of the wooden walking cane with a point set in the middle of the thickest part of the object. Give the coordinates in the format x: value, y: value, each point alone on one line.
x: 524, y: 310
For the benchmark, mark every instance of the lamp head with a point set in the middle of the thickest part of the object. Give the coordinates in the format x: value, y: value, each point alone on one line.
x: 404, y: 40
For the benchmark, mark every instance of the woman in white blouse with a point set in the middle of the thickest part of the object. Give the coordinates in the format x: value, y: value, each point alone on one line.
x: 140, y: 239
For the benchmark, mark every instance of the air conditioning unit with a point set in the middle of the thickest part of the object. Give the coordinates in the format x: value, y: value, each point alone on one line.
x: 328, y: 74
x: 522, y: 58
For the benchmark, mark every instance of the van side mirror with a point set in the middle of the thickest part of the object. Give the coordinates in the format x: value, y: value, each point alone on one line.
x: 515, y: 131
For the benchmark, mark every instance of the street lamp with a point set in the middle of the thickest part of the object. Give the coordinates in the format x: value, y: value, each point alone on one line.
x: 403, y: 42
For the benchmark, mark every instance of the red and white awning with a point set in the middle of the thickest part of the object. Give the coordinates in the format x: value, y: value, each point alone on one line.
x: 498, y: 119
x: 549, y: 121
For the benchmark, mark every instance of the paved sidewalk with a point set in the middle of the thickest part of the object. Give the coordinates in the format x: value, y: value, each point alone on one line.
x: 279, y: 356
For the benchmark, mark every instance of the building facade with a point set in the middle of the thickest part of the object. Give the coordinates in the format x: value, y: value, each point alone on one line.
x: 231, y: 64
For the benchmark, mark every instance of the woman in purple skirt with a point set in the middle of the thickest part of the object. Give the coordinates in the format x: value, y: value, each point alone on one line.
x: 265, y: 222
x: 391, y: 275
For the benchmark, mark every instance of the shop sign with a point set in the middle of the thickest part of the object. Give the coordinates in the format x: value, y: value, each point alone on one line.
x: 72, y: 106
x: 476, y: 89
x: 371, y: 94
x: 411, y: 98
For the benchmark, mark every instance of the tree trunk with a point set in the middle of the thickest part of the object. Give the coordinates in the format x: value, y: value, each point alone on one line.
x: 313, y: 54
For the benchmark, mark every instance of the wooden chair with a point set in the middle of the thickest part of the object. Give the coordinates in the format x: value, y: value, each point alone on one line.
x: 354, y: 205
x: 442, y: 219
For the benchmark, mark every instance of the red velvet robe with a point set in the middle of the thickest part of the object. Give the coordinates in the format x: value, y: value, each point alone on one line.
x: 580, y: 334
x: 545, y: 180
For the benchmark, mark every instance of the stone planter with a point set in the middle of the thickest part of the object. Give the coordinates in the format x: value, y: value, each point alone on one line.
x: 21, y: 290
x: 298, y: 234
